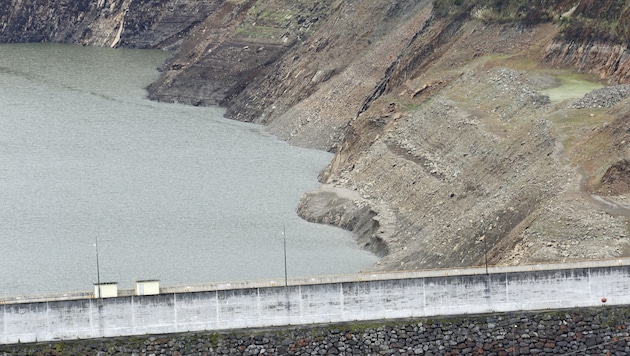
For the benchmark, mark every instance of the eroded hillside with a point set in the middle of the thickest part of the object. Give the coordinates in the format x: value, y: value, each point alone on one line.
x: 448, y: 147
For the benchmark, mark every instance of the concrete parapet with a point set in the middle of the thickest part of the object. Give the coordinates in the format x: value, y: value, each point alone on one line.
x: 321, y: 300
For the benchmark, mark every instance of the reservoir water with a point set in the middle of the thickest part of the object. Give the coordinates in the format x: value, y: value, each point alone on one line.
x: 171, y: 192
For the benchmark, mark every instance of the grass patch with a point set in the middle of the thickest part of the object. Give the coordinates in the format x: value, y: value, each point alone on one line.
x: 576, y: 119
x: 59, y: 347
x: 362, y: 327
x: 337, y: 4
x: 259, y: 32
x: 503, y: 11
x: 274, y: 18
x: 574, y: 123
x: 266, y: 21
x: 214, y: 339
x: 572, y: 86
x: 497, y: 60
x: 409, y: 105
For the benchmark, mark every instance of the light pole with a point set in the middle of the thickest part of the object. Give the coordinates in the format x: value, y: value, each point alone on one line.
x: 484, y: 237
x: 284, y: 240
x: 98, y: 271
x: 485, y: 244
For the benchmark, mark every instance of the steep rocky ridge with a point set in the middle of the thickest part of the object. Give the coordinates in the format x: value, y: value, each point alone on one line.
x: 127, y: 23
x: 235, y: 44
x: 595, y: 40
x: 347, y: 58
x: 447, y: 151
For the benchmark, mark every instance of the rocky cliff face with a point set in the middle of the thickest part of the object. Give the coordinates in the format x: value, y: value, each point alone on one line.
x: 447, y: 150
x: 594, y: 40
x: 236, y: 46
x: 610, y: 61
x: 127, y: 23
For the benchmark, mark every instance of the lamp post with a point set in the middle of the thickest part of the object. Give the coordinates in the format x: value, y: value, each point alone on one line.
x: 485, y: 244
x: 284, y: 240
x: 485, y: 240
x: 98, y: 271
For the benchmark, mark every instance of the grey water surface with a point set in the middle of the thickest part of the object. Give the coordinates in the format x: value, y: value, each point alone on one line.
x: 171, y: 192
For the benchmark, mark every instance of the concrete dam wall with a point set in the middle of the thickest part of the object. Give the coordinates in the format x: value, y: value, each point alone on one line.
x: 584, y: 331
x: 324, y: 300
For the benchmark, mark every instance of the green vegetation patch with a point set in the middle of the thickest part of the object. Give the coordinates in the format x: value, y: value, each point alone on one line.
x: 603, y: 21
x: 528, y: 12
x: 571, y: 87
x: 259, y: 32
x: 574, y: 123
x: 271, y: 19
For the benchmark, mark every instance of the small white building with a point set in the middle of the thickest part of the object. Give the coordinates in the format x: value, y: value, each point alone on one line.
x: 148, y: 287
x: 106, y: 290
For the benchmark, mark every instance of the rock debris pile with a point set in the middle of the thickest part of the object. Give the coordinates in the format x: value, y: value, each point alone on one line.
x: 603, y: 98
x: 515, y: 85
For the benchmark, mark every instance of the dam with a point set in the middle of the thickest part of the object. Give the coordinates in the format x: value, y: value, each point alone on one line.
x: 306, y: 301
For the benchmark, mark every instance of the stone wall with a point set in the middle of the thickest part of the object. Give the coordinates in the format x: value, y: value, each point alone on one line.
x: 591, y: 331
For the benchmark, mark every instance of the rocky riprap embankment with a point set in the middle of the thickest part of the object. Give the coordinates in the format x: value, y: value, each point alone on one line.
x: 597, y: 331
x: 606, y: 97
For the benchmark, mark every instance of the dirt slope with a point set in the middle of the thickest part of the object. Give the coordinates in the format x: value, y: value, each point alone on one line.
x: 465, y: 157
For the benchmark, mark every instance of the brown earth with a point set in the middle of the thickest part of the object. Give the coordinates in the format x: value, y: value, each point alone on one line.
x: 467, y: 156
x: 616, y: 180
x: 446, y: 148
